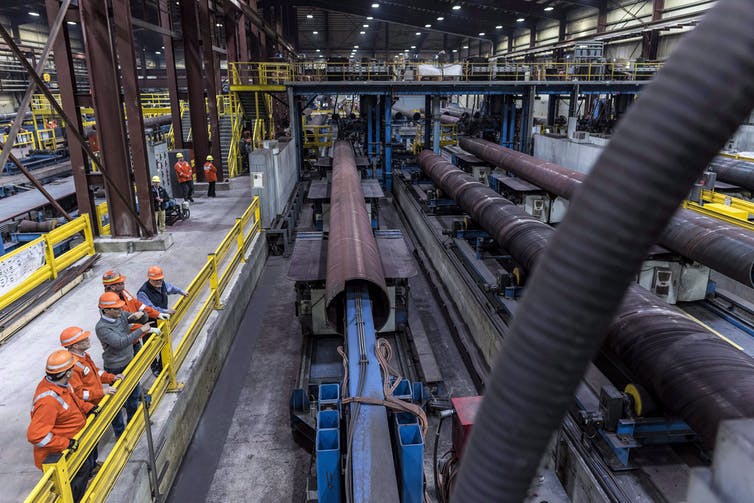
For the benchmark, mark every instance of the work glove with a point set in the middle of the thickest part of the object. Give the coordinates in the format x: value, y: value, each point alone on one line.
x: 163, y: 316
x: 155, y: 331
x: 94, y: 411
x: 73, y: 445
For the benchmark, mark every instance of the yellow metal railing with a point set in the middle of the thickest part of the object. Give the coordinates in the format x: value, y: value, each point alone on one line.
x: 739, y: 157
x: 448, y: 136
x: 236, y: 125
x: 316, y: 136
x: 729, y: 209
x: 24, y: 139
x: 249, y: 74
x: 103, y: 219
x: 205, y: 291
x: 44, y: 245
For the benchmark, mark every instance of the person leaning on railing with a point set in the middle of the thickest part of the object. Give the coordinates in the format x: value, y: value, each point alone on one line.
x: 90, y: 383
x: 57, y: 415
x: 114, y: 332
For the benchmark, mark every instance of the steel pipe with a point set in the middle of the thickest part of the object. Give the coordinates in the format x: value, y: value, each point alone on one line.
x: 734, y: 171
x: 724, y: 247
x: 407, y: 113
x: 352, y: 254
x: 692, y: 372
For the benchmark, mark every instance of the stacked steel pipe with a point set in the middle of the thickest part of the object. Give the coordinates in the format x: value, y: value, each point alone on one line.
x: 352, y: 254
x: 724, y: 247
x: 694, y: 373
x: 734, y: 171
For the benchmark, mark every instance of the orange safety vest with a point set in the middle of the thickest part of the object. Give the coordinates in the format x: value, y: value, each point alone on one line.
x: 133, y: 305
x: 183, y: 171
x: 56, y: 416
x: 87, y: 379
x: 210, y: 172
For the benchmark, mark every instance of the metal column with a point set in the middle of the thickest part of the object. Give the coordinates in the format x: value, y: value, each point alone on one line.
x: 64, y: 70
x: 527, y: 119
x: 135, y: 124
x: 296, y: 129
x: 377, y: 127
x: 108, y: 113
x: 210, y: 78
x: 435, y: 124
x: 172, y: 77
x: 195, y: 81
x: 427, y: 120
x: 388, y: 142
x: 508, y: 129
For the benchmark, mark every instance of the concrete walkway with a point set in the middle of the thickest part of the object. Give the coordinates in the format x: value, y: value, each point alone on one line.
x: 22, y: 357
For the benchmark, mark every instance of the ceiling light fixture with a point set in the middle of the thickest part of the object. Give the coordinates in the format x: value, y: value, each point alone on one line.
x: 71, y: 22
x: 499, y: 27
x: 465, y: 47
x: 315, y: 33
x: 356, y: 47
x: 520, y: 20
x: 455, y: 50
x: 369, y: 18
x: 418, y: 33
x: 157, y: 52
x: 456, y: 7
x: 375, y: 6
x: 362, y: 33
x: 365, y: 25
x: 316, y: 50
x: 428, y: 26
x: 440, y: 18
x: 35, y: 14
x: 481, y: 34
x: 310, y: 16
x: 549, y: 8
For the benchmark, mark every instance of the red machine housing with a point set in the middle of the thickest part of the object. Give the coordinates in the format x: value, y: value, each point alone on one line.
x: 466, y: 408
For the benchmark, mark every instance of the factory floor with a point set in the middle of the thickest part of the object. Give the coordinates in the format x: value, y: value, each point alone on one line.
x: 22, y: 357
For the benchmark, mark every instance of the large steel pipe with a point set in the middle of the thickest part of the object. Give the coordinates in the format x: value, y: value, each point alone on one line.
x: 450, y: 119
x: 734, y: 171
x: 400, y: 112
x: 724, y: 247
x: 695, y: 374
x: 352, y: 254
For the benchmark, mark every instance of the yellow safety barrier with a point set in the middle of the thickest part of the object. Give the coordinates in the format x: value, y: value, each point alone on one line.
x: 53, y: 264
x: 448, y: 136
x: 317, y: 136
x: 103, y: 219
x: 205, y: 291
x: 738, y: 156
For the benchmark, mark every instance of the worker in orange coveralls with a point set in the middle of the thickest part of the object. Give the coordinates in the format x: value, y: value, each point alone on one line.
x: 90, y: 384
x: 185, y: 174
x: 57, y: 415
x: 210, y: 174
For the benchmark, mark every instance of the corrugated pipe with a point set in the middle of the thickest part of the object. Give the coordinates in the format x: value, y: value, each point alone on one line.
x: 685, y: 115
x: 695, y: 374
x: 734, y: 171
x: 724, y: 247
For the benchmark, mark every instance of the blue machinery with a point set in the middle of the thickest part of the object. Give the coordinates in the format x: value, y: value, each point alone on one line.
x: 366, y: 428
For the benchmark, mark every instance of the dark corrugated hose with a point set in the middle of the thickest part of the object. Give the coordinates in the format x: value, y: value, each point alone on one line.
x: 684, y: 116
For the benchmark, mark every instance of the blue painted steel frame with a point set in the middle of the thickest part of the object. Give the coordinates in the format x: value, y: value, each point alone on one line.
x: 373, y: 474
x: 388, y: 141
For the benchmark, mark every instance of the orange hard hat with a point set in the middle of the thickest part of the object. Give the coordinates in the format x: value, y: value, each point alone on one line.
x: 112, y: 277
x: 72, y: 335
x: 155, y: 272
x: 59, y: 361
x: 110, y: 300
